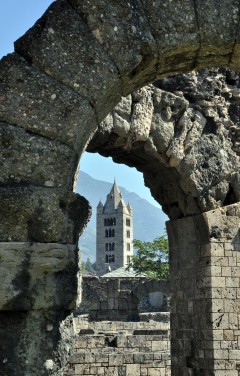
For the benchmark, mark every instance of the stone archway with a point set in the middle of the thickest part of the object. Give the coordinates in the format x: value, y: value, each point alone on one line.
x: 67, y: 73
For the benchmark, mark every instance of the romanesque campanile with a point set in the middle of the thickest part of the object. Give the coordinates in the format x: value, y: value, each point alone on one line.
x: 114, y: 232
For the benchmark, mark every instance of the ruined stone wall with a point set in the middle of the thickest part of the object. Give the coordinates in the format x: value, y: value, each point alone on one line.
x: 66, y: 74
x: 119, y: 298
x: 120, y: 348
x: 205, y: 279
x: 182, y: 132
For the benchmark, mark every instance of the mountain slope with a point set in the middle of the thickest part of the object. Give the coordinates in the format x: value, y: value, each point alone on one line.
x: 148, y: 220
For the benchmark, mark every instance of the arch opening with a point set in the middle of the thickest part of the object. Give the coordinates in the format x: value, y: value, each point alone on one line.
x: 76, y: 63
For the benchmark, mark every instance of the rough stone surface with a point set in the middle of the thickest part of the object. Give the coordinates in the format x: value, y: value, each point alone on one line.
x: 119, y: 298
x: 42, y: 105
x: 36, y: 333
x: 204, y: 267
x: 75, y: 58
x: 33, y: 274
x: 119, y: 348
x: 41, y: 214
x: 49, y: 163
x: 183, y: 134
x: 67, y: 73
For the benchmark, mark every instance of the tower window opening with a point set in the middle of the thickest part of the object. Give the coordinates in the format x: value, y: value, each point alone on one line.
x: 111, y: 258
x: 128, y: 222
x: 109, y: 221
x: 113, y: 246
x: 106, y: 233
x: 128, y: 234
x: 106, y: 247
x: 128, y: 247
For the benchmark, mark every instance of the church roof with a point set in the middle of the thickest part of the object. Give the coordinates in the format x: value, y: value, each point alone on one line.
x: 123, y: 273
x: 100, y: 205
x: 114, y: 199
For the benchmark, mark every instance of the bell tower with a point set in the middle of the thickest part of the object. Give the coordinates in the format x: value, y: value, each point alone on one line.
x: 114, y: 232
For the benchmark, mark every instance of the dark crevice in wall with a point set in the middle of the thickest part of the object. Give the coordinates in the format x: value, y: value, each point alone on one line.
x: 230, y: 197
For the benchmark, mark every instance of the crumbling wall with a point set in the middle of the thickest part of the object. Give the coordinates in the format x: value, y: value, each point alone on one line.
x: 183, y: 133
x: 66, y: 74
x: 120, y: 348
x: 121, y: 299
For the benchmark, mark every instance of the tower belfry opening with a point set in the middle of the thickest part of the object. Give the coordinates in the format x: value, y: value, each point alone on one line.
x: 114, y: 246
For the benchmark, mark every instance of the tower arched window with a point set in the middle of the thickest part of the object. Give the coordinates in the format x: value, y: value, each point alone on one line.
x: 111, y: 258
x: 106, y: 247
x: 113, y: 232
x: 128, y: 234
x: 106, y: 259
x: 114, y: 221
x: 106, y: 233
x: 110, y: 233
x: 113, y: 246
x: 105, y: 222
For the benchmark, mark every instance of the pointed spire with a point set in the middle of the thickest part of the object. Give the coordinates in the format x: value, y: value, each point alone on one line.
x: 100, y: 203
x: 113, y: 199
x: 100, y: 207
x: 121, y: 206
x: 129, y: 208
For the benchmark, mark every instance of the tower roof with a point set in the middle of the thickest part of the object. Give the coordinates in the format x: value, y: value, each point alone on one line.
x: 114, y: 198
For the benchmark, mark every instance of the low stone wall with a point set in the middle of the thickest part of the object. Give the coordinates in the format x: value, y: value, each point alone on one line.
x: 149, y: 321
x: 120, y: 348
x: 122, y: 299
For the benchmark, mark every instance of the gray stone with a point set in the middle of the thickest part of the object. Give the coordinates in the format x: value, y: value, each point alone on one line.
x: 69, y: 71
x: 75, y: 57
x: 50, y: 163
x: 33, y: 275
x: 41, y: 215
x: 181, y: 135
x: 137, y: 56
x: 42, y: 105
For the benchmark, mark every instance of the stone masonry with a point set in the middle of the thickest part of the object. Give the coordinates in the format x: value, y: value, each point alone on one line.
x: 205, y: 308
x: 66, y: 74
x: 122, y: 299
x: 119, y: 349
x: 114, y: 245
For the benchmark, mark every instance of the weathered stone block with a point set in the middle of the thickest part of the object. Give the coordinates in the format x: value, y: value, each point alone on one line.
x: 115, y: 359
x: 75, y: 57
x: 42, y: 105
x: 133, y: 369
x: 215, y: 300
x: 27, y: 158
x: 37, y: 276
x: 41, y: 214
x: 138, y: 53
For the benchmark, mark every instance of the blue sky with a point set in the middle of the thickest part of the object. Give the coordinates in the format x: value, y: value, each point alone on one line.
x: 16, y: 17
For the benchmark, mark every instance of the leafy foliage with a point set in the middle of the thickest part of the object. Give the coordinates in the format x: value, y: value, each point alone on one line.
x: 151, y: 258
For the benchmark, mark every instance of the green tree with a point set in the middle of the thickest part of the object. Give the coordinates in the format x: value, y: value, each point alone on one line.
x: 151, y: 258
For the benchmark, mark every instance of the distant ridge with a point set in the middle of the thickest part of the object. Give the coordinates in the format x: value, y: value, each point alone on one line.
x: 149, y: 221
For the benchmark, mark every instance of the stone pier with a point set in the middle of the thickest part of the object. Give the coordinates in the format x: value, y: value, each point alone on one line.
x: 205, y: 275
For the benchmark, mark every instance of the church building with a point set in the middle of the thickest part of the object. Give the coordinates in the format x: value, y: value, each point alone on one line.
x: 114, y: 233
